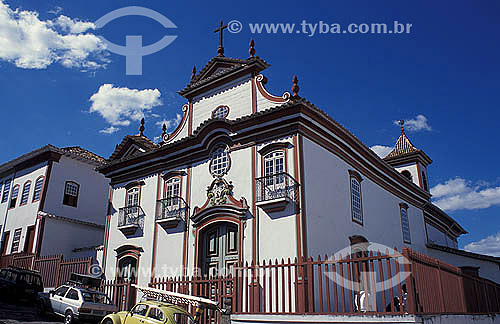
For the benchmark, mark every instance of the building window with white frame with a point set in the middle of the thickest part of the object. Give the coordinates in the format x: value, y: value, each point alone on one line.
x: 405, y: 223
x: 15, y: 240
x: 25, y: 193
x: 13, y: 197
x: 172, y: 191
x: 6, y: 190
x: 133, y: 197
x: 220, y: 112
x: 38, y: 188
x: 356, y: 197
x: 220, y: 161
x: 274, y: 168
x: 71, y: 190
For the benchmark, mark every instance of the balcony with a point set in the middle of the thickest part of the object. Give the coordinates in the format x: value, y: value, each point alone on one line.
x: 276, y: 191
x: 128, y: 219
x: 171, y: 211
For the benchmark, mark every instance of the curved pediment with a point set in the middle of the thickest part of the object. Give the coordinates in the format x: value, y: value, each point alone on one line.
x: 220, y: 200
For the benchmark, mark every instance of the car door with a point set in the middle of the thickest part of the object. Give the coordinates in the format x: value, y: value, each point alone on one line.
x: 56, y: 298
x: 137, y: 315
x: 70, y: 301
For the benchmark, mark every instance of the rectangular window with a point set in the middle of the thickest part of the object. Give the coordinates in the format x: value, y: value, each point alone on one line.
x: 405, y: 223
x: 13, y: 197
x: 71, y: 193
x: 15, y: 240
x: 6, y: 190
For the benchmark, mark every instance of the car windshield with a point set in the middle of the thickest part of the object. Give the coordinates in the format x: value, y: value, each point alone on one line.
x: 181, y: 318
x: 94, y: 297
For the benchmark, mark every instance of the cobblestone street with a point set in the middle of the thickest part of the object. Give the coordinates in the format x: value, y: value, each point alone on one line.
x: 14, y: 314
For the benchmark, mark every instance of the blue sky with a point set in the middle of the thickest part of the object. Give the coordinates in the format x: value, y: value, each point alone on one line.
x: 442, y: 77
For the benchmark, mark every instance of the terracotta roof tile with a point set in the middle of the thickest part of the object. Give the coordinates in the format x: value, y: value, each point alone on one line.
x: 84, y: 154
x: 403, y: 146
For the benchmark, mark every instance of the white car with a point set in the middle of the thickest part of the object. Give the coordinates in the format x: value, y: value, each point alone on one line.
x: 75, y: 303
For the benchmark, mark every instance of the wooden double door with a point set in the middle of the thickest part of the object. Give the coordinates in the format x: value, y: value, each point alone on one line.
x: 220, y: 249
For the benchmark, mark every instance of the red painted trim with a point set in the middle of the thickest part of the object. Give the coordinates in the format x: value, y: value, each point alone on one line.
x: 22, y: 193
x: 43, y: 195
x: 298, y: 221
x: 254, y: 205
x: 303, y: 197
x: 185, y: 242
x: 253, y: 94
x: 181, y: 125
x: 155, y: 229
x: 190, y: 123
x: 108, y: 225
x: 260, y: 81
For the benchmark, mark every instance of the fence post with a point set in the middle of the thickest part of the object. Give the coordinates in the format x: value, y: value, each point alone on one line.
x: 58, y: 270
x: 441, y: 290
x: 410, y: 289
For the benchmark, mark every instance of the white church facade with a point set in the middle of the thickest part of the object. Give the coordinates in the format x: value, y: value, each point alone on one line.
x: 249, y: 176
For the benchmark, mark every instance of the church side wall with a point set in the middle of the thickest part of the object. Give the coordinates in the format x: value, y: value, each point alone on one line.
x: 328, y: 210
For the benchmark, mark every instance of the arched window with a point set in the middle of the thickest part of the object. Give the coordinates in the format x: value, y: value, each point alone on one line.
x: 38, y: 188
x: 71, y: 190
x: 133, y: 197
x: 26, y: 192
x: 220, y: 162
x: 13, y: 197
x: 274, y: 167
x: 405, y: 223
x: 356, y: 198
x: 220, y: 112
x: 6, y: 190
x: 172, y: 191
x: 424, y: 182
x: 407, y: 174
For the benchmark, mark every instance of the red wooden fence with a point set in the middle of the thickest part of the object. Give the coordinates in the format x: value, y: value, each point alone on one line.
x: 53, y: 269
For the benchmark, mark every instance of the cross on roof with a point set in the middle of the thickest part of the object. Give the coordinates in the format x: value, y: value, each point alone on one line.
x: 220, y: 29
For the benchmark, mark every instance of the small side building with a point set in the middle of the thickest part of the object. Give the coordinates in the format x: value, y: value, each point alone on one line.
x: 52, y: 201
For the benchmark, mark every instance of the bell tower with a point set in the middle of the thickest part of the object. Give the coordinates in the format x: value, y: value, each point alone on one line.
x: 409, y: 161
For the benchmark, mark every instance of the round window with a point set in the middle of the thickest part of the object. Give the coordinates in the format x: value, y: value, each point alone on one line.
x: 220, y: 161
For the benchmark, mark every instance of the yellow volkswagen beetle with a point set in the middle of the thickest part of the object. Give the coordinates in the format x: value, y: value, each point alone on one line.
x: 151, y: 312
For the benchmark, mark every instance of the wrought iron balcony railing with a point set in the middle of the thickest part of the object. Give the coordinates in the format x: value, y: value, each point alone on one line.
x: 171, y: 208
x: 279, y: 185
x: 129, y: 215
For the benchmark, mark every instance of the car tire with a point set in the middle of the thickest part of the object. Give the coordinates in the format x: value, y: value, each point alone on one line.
x: 40, y: 308
x: 68, y: 317
x: 107, y: 321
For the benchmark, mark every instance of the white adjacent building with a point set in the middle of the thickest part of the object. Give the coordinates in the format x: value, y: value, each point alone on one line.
x: 250, y: 176
x: 52, y: 201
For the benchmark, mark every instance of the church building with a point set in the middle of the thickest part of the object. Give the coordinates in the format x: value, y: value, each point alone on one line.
x: 249, y: 176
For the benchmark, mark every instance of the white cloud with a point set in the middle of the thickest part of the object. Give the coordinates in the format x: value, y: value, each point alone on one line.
x: 381, y: 150
x: 31, y: 43
x: 109, y: 130
x: 170, y: 123
x: 489, y: 245
x: 416, y: 124
x: 456, y: 194
x: 120, y: 106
